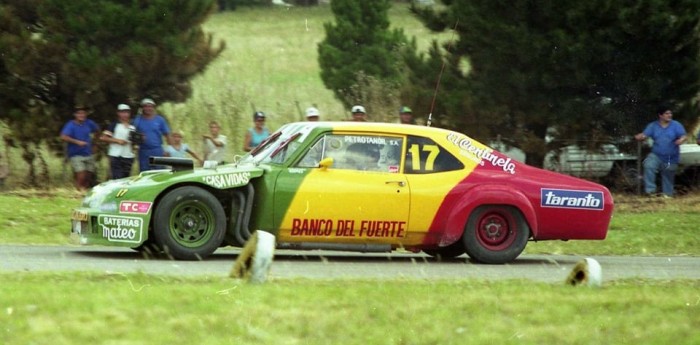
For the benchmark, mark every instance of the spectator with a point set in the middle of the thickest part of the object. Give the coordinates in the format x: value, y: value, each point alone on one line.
x: 358, y: 114
x: 214, y: 144
x: 153, y: 127
x: 312, y: 114
x: 78, y: 134
x: 120, y: 151
x: 406, y: 116
x: 256, y: 134
x: 667, y: 134
x: 178, y: 149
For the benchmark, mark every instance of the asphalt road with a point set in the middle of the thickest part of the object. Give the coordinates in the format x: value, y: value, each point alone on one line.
x: 338, y: 265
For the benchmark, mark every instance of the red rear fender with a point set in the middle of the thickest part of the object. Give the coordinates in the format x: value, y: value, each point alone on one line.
x: 486, y: 195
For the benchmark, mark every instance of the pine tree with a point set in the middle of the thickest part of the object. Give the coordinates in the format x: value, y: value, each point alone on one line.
x: 96, y: 53
x: 591, y: 69
x: 360, y: 45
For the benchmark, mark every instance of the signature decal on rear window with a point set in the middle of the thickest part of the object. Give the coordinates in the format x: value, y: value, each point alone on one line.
x: 564, y: 198
x: 481, y: 154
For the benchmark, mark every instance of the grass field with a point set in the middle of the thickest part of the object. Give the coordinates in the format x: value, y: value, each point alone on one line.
x: 103, y: 308
x: 91, y: 308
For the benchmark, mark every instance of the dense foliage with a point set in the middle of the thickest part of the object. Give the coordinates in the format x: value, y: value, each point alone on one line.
x: 359, y: 48
x: 57, y: 54
x: 593, y: 70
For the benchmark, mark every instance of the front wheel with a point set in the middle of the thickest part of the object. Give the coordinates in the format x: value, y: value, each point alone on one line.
x: 495, y: 234
x: 189, y: 223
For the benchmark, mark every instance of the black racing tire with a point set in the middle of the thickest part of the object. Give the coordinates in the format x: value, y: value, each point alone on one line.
x: 495, y: 234
x: 148, y: 249
x: 452, y: 251
x: 189, y: 223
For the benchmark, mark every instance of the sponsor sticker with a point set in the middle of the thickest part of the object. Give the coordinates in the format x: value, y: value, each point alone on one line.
x: 134, y: 207
x: 565, y: 198
x: 121, y: 228
x: 481, y: 155
x: 227, y: 180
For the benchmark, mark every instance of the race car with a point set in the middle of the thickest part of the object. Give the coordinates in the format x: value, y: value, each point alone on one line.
x: 348, y: 186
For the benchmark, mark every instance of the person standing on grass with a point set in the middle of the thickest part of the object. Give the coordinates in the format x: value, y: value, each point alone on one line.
x: 120, y: 151
x: 153, y: 127
x: 178, y: 149
x: 214, y: 144
x: 256, y: 134
x: 406, y: 116
x: 358, y: 114
x: 668, y: 135
x: 312, y: 114
x: 78, y: 134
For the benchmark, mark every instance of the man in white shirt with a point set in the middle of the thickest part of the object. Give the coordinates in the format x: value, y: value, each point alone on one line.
x: 120, y: 152
x: 214, y: 144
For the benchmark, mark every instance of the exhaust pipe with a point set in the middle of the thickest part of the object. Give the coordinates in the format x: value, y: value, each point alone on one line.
x: 177, y: 164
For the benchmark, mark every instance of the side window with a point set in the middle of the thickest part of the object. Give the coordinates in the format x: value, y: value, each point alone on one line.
x: 424, y: 156
x: 314, y: 155
x: 356, y: 152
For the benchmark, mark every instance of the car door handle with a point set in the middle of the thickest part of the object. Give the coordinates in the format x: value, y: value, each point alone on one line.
x: 400, y: 183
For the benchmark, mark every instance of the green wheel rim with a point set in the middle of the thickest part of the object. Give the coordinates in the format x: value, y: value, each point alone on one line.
x: 192, y: 224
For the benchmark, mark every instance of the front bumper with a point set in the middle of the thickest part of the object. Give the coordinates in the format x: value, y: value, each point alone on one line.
x: 109, y: 229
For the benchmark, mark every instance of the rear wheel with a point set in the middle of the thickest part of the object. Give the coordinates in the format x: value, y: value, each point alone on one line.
x: 495, y: 234
x: 189, y: 223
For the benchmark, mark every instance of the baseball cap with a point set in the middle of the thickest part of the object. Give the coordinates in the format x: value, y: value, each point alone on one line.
x: 358, y: 109
x: 258, y: 115
x: 405, y: 109
x: 146, y: 101
x: 310, y: 112
x: 123, y: 107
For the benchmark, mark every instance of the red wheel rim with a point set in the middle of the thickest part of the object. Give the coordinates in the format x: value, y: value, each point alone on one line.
x: 495, y: 231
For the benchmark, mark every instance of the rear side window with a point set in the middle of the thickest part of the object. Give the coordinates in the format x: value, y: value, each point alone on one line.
x: 424, y: 156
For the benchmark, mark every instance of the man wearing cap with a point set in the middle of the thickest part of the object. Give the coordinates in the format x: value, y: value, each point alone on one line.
x: 120, y: 151
x: 78, y: 134
x: 312, y: 114
x: 256, y: 134
x: 406, y: 116
x: 153, y: 127
x: 358, y: 114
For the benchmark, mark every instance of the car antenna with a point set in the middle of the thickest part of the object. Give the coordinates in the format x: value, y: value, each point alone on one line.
x: 442, y: 69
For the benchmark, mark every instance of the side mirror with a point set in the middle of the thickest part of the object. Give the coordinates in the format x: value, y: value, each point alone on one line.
x: 325, y: 163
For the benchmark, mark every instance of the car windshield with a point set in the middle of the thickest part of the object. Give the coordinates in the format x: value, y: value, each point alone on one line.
x: 279, y: 145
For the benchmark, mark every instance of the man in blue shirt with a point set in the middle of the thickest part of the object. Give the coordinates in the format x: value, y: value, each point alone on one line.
x: 667, y: 134
x: 78, y: 134
x: 153, y: 127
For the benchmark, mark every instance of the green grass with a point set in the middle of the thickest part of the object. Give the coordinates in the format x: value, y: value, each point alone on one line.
x: 138, y: 309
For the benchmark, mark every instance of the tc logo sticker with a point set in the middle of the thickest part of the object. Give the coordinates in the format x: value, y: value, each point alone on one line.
x: 134, y: 207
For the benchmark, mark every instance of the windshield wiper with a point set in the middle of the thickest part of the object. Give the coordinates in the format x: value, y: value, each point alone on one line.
x: 264, y: 143
x: 284, y: 144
